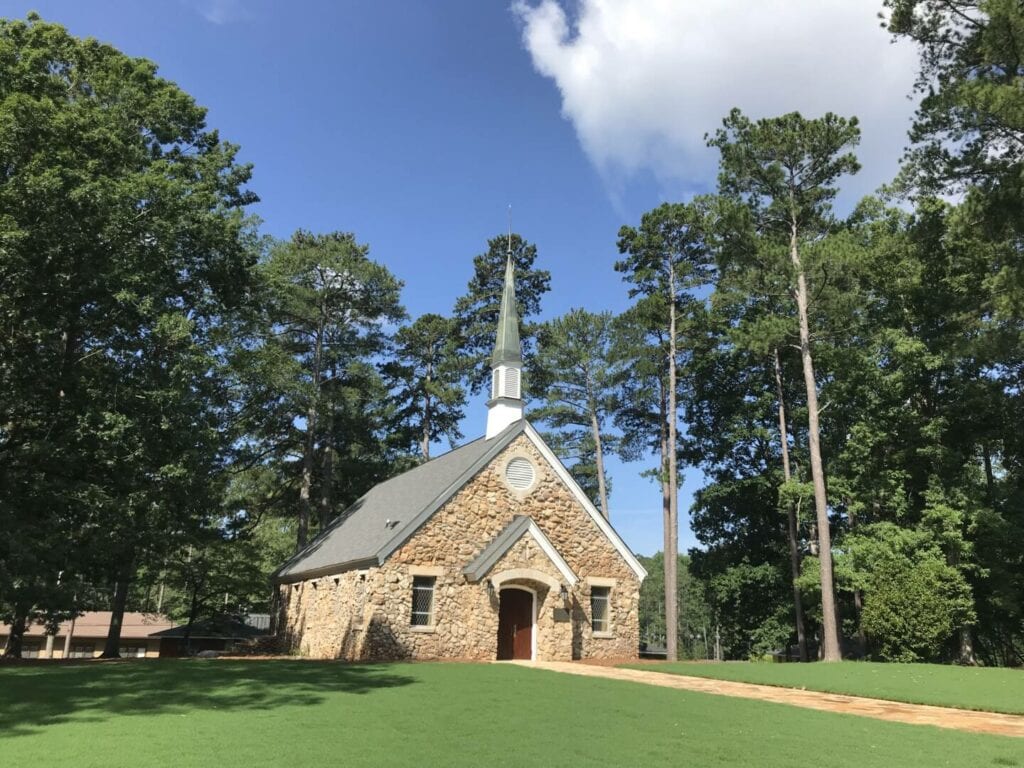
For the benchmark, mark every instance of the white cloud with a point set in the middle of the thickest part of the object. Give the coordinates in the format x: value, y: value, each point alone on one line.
x: 642, y: 81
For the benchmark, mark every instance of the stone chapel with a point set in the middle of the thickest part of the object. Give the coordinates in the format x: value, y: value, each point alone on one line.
x: 490, y: 551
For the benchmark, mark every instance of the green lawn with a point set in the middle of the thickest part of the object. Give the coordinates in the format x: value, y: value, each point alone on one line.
x: 294, y: 713
x: 991, y: 689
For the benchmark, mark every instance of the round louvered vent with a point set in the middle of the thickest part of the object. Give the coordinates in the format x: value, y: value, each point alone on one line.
x: 520, y: 473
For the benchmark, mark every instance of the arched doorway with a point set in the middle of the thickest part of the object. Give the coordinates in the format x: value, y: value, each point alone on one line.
x: 517, y: 614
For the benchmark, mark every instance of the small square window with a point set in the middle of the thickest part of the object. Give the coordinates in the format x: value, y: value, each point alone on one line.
x: 600, y: 609
x: 423, y: 601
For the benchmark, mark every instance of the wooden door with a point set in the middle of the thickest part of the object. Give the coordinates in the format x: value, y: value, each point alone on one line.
x: 515, y: 624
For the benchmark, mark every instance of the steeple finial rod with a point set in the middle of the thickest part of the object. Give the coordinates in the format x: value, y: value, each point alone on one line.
x: 510, y: 229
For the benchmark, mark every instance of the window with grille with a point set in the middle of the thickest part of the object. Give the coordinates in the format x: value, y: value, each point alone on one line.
x: 423, y: 601
x: 132, y: 651
x: 600, y: 608
x: 520, y: 473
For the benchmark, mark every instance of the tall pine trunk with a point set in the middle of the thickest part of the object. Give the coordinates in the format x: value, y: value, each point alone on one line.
x: 326, y: 504
x: 666, y: 511
x: 306, y: 488
x: 602, y: 486
x: 68, y: 638
x: 326, y: 486
x: 595, y: 431
x: 427, y: 415
x: 309, y: 445
x: 791, y: 518
x: 830, y: 630
x: 672, y: 521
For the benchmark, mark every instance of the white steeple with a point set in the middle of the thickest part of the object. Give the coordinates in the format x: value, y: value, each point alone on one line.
x: 506, y: 404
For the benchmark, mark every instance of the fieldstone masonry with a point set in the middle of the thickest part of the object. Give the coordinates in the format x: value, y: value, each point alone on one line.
x: 366, y: 614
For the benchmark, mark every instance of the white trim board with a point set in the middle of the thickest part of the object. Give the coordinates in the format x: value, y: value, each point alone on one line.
x: 549, y: 549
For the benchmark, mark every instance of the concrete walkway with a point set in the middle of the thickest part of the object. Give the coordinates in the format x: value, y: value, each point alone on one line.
x: 915, y: 714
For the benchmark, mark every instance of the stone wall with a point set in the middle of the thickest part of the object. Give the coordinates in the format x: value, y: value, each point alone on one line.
x: 366, y: 614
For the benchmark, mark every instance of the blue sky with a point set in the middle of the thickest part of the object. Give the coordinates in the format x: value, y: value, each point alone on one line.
x: 415, y: 125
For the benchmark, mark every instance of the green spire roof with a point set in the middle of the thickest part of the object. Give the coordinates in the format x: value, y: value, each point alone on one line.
x: 506, y: 348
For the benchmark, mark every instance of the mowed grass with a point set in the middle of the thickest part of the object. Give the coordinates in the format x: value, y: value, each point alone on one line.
x: 988, y: 689
x: 298, y: 713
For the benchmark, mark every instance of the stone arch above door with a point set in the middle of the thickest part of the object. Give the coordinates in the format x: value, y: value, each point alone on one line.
x: 524, y: 575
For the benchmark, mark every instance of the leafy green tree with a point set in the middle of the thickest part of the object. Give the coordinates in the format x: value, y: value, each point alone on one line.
x: 785, y: 170
x: 125, y: 257
x: 212, y: 577
x: 476, y: 311
x: 918, y: 401
x: 731, y: 434
x: 577, y: 369
x: 914, y: 599
x: 668, y: 261
x: 426, y: 372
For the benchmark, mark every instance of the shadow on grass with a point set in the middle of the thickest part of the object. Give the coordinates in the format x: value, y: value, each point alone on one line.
x: 38, y: 695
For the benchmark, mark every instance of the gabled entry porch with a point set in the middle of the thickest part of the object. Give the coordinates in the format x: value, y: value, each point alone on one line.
x: 530, y: 587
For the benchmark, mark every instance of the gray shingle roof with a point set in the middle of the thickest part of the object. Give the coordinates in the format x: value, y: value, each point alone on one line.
x: 389, y: 513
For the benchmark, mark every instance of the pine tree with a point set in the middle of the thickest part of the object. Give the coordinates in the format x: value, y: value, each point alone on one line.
x: 785, y: 170
x: 667, y: 261
x: 328, y: 305
x: 577, y: 370
x: 426, y: 373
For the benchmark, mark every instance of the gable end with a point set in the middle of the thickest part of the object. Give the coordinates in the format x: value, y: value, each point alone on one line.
x: 603, y: 525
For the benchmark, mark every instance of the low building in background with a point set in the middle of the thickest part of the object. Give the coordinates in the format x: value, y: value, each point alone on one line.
x: 143, y: 635
x: 221, y: 634
x: 85, y: 636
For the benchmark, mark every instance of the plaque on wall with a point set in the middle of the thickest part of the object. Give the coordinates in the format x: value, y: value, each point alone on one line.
x: 561, y: 614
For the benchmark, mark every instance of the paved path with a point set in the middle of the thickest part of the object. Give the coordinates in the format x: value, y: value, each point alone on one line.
x: 916, y: 714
